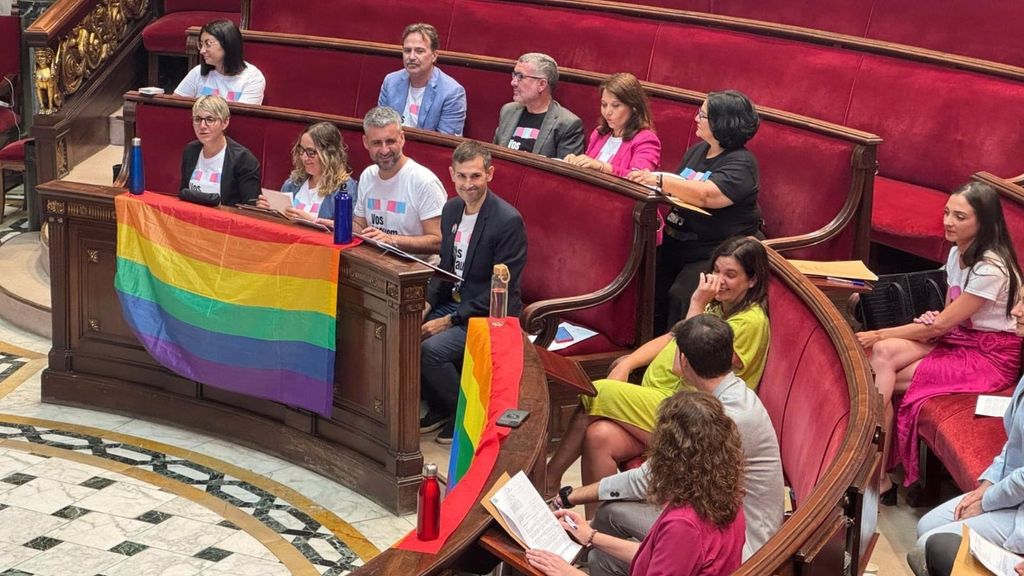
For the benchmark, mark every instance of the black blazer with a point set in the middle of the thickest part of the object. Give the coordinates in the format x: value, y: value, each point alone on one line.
x: 498, y: 238
x: 240, y: 177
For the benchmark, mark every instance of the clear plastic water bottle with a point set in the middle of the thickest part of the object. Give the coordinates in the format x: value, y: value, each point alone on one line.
x: 499, y: 294
x: 428, y: 505
x: 342, y: 217
x: 136, y: 174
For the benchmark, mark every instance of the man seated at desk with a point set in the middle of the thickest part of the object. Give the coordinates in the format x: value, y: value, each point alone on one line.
x: 400, y: 200
x: 478, y: 230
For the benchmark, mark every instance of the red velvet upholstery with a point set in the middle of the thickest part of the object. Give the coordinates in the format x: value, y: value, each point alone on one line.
x: 14, y: 152
x: 794, y: 200
x: 167, y: 34
x: 202, y: 5
x: 10, y: 46
x: 600, y: 224
x: 376, y: 21
x: 952, y: 26
x: 963, y: 442
x: 794, y: 76
x: 804, y: 390
x: 907, y: 103
x: 909, y: 217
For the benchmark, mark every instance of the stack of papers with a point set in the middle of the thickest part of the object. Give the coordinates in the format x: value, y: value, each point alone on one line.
x: 521, y: 511
x: 845, y: 269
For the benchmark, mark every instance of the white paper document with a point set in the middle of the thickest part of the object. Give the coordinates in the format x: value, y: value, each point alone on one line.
x: 992, y: 405
x: 530, y: 518
x: 279, y: 201
x: 997, y: 559
x: 567, y: 335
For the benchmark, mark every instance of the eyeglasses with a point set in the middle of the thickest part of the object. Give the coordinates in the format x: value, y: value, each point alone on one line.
x: 518, y: 76
x: 701, y: 115
x: 209, y: 43
x: 307, y: 152
x: 208, y: 120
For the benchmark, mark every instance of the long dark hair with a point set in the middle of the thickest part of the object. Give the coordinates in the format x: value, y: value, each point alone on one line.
x: 992, y: 235
x: 754, y: 259
x: 230, y: 40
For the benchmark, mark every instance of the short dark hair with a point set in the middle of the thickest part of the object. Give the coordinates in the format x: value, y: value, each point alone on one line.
x: 706, y: 341
x: 470, y: 149
x: 732, y: 118
x: 230, y: 40
x: 428, y: 31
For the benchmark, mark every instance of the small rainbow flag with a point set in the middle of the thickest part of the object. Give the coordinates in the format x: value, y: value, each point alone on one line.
x: 491, y: 371
x: 229, y: 301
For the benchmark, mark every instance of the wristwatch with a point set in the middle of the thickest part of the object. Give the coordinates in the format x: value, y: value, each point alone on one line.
x: 563, y: 494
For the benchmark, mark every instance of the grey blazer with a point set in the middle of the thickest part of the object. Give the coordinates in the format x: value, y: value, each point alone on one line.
x: 561, y: 133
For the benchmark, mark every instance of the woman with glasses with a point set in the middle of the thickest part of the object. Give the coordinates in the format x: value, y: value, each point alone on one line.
x: 223, y: 71
x: 319, y: 171
x: 214, y: 163
x: 969, y: 346
x: 719, y: 175
x: 624, y: 139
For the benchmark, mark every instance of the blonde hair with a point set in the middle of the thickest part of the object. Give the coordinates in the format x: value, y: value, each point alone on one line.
x: 213, y: 105
x: 333, y: 155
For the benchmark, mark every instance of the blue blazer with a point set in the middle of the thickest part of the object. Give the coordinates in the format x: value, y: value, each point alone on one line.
x: 327, y: 206
x: 444, y: 102
x: 1007, y: 473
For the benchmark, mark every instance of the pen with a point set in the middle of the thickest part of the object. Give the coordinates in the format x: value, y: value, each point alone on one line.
x: 571, y: 523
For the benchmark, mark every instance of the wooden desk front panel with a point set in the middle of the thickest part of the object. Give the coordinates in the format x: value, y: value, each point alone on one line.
x: 371, y: 442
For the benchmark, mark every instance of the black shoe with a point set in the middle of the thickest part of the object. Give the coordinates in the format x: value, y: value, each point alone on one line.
x: 888, y: 498
x: 444, y: 437
x: 432, y: 421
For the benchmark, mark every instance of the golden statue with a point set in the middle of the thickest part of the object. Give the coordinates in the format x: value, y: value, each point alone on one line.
x: 47, y: 91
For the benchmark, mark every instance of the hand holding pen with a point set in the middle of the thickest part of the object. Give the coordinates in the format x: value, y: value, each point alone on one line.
x: 576, y: 526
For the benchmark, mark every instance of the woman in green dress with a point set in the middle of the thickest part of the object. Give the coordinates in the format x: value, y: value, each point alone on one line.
x: 615, y: 425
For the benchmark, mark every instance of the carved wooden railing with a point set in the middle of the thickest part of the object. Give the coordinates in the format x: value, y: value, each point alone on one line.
x: 87, y: 53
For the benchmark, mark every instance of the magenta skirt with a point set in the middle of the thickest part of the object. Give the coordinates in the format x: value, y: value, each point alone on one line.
x: 964, y: 360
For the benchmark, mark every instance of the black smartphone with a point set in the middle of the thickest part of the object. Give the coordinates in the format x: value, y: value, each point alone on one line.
x: 512, y: 418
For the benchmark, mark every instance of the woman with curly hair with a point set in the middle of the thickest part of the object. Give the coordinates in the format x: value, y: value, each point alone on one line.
x: 696, y: 471
x: 319, y: 171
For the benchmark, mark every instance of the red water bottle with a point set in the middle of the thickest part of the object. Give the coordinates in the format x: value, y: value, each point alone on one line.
x: 428, y: 505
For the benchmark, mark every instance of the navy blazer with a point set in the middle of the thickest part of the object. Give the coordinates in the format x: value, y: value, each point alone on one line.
x: 444, y: 102
x: 499, y: 237
x: 239, y: 178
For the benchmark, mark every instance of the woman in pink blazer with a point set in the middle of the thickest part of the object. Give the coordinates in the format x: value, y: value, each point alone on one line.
x: 624, y: 140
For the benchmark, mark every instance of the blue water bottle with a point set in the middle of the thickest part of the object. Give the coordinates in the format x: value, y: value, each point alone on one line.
x: 342, y: 217
x: 136, y: 176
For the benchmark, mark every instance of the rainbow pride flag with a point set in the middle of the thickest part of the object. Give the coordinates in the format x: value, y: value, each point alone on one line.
x: 229, y: 301
x: 491, y: 371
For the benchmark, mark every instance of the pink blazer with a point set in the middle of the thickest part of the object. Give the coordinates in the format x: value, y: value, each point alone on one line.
x: 642, y: 151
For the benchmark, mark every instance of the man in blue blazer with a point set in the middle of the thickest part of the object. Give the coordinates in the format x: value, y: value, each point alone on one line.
x: 425, y: 96
x: 478, y: 230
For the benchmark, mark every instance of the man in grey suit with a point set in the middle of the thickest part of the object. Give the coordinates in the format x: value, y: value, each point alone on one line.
x: 704, y: 359
x: 534, y: 121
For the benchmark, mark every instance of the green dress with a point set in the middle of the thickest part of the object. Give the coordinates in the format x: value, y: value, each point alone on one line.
x: 638, y: 405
